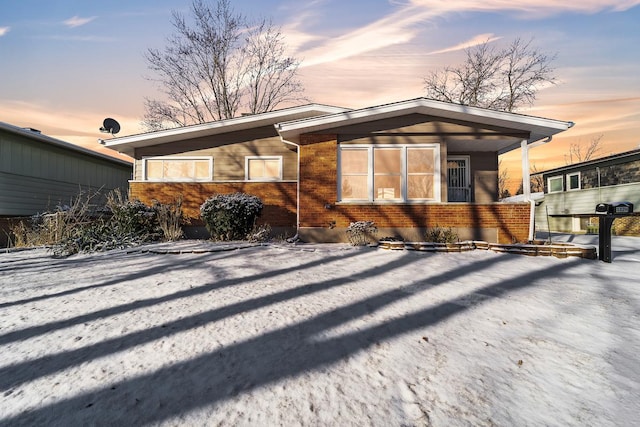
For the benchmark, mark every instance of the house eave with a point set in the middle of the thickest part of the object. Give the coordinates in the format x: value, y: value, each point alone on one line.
x: 537, y: 127
x: 128, y: 144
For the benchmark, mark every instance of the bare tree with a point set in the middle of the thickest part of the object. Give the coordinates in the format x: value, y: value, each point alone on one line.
x: 500, y: 79
x: 503, y: 178
x: 537, y: 181
x: 579, y: 152
x: 217, y: 63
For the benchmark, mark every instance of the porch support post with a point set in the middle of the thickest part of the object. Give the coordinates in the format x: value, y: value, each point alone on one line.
x: 526, y: 179
x: 526, y: 187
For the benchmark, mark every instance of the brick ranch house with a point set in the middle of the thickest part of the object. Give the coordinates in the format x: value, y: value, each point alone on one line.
x: 407, y: 166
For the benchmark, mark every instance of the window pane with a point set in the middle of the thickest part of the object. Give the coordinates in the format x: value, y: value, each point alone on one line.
x: 555, y: 184
x: 354, y: 187
x: 154, y: 169
x: 175, y: 169
x: 386, y: 161
x: 264, y: 169
x: 256, y: 169
x: 420, y: 160
x: 354, y: 161
x: 202, y: 169
x: 387, y: 187
x: 420, y: 186
x: 272, y: 169
x: 574, y: 182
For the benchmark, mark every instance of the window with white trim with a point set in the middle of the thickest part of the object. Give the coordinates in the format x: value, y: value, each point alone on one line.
x: 395, y: 173
x: 263, y: 168
x: 555, y: 184
x: 178, y: 169
x: 573, y: 181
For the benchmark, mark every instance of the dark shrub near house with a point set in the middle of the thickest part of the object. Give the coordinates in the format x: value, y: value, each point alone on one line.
x: 231, y: 216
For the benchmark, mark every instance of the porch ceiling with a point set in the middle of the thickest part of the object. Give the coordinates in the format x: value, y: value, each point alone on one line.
x: 501, y: 145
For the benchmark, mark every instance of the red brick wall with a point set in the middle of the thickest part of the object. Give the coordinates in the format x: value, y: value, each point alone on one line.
x: 318, y: 177
x: 627, y: 226
x: 279, y: 198
x: 318, y: 196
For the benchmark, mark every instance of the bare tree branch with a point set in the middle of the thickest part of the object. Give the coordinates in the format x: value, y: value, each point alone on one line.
x: 217, y: 63
x: 504, y: 80
x: 581, y: 153
x: 503, y: 178
x: 537, y: 181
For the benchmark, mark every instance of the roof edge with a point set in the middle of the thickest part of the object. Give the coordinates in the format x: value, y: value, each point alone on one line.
x: 591, y: 162
x: 293, y: 128
x: 28, y: 133
x: 211, y: 128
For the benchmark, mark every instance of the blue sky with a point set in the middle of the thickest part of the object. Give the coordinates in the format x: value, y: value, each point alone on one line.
x: 65, y: 65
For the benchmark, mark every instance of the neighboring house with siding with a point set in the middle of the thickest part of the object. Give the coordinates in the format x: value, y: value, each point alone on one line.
x: 407, y: 166
x: 572, y: 192
x: 38, y: 172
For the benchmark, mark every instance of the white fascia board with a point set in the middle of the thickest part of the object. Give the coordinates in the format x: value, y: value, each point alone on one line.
x: 538, y: 127
x: 126, y: 144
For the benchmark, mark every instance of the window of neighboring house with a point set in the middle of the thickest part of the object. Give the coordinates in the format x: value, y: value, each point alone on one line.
x: 554, y: 184
x: 263, y: 168
x: 573, y: 181
x: 389, y: 173
x: 178, y: 169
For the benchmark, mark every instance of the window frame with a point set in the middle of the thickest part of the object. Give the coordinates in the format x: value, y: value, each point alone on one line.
x: 551, y: 178
x: 371, y: 197
x: 209, y: 178
x: 247, y: 159
x: 568, y: 180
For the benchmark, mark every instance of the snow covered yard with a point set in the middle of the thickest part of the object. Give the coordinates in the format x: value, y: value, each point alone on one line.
x: 319, y: 335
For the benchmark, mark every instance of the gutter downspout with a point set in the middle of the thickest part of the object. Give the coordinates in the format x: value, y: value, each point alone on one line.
x: 526, y: 182
x: 294, y: 238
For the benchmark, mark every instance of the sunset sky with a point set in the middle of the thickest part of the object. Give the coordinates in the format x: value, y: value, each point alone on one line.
x: 65, y: 65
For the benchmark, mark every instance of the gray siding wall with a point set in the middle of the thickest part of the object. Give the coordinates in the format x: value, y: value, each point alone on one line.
x: 35, y: 176
x: 568, y: 203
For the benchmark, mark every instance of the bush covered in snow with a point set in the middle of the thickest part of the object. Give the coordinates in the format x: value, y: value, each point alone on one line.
x: 361, y: 232
x: 231, y: 216
x: 132, y: 218
x: 122, y: 223
x: 84, y: 226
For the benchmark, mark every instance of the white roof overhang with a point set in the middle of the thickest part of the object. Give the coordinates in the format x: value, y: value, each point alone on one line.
x: 537, y: 128
x: 128, y: 144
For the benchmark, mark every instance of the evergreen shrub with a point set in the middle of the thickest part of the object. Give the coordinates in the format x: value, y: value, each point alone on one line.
x: 231, y: 216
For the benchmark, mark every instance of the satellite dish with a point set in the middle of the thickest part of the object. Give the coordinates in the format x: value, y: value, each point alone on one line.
x: 110, y: 126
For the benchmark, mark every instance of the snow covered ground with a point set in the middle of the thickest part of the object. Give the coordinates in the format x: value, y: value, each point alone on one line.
x: 319, y: 335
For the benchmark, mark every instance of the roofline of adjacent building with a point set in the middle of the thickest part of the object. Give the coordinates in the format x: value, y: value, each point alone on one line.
x: 611, y: 157
x: 37, y: 136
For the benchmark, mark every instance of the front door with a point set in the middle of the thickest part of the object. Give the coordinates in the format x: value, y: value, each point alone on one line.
x: 459, y: 189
